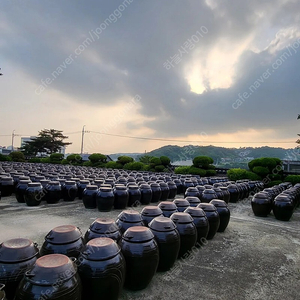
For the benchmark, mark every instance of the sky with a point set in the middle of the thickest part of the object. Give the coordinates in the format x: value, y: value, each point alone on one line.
x: 144, y: 74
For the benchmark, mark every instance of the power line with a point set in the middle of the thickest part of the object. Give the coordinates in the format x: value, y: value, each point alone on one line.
x: 185, y: 141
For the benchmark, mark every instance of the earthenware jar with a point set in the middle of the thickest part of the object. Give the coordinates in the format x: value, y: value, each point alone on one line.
x: 69, y: 190
x: 2, y: 292
x: 179, y: 186
x: 219, y: 193
x: 16, y: 256
x: 129, y: 218
x: 167, y: 208
x: 53, y: 192
x: 103, y: 227
x: 234, y: 193
x: 146, y: 193
x: 21, y: 189
x: 141, y: 255
x: 208, y: 195
x: 134, y: 195
x: 172, y: 189
x: 105, y: 199
x: 187, y: 231
x: 213, y: 219
x: 261, y: 204
x: 192, y: 191
x: 121, y: 196
x: 283, y: 207
x: 182, y: 204
x: 156, y: 192
x: 53, y: 276
x: 168, y: 240
x: 186, y: 184
x: 194, y: 201
x: 101, y: 269
x: 224, y: 213
x: 89, y: 196
x: 226, y: 194
x: 65, y: 239
x: 165, y: 191
x: 33, y: 194
x: 201, y: 222
x: 150, y: 212
x: 81, y: 186
x: 6, y: 186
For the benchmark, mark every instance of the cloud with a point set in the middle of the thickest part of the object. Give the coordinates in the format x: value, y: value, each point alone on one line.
x: 116, y: 52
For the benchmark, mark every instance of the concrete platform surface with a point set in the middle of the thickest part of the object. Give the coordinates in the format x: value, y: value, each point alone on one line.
x: 254, y: 259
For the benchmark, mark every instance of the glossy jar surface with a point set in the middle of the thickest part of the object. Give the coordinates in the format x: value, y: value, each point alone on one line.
x: 193, y: 200
x: 150, y: 212
x: 187, y: 231
x: 156, y: 192
x: 89, y: 196
x: 101, y: 269
x: 105, y: 199
x: 261, y: 204
x: 213, y: 219
x: 6, y: 186
x: 141, y: 255
x: 81, y: 186
x: 134, y: 195
x: 168, y: 240
x: 16, y: 256
x: 283, y: 207
x: 64, y: 239
x: 192, y: 192
x: 165, y: 191
x: 181, y: 204
x: 53, y: 192
x: 223, y: 212
x: 21, y: 189
x: 146, y: 193
x: 172, y: 189
x: 34, y: 194
x: 129, y: 218
x: 54, y: 276
x: 207, y: 195
x: 234, y: 193
x: 167, y: 208
x: 201, y: 222
x: 103, y: 227
x: 121, y: 197
x: 69, y: 190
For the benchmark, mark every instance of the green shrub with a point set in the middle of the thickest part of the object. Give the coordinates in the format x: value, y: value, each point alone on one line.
x: 155, y: 161
x: 211, y: 172
x: 123, y: 160
x: 160, y: 168
x: 97, y: 157
x: 261, y: 171
x: 74, y: 159
x: 113, y: 165
x: 293, y: 179
x: 17, y: 156
x: 136, y: 165
x: 64, y: 162
x: 274, y: 182
x: 202, y: 162
x: 45, y: 160
x: 182, y: 170
x: 5, y: 158
x: 197, y: 171
x: 238, y: 174
x: 87, y: 164
x: 165, y: 160
x: 56, y: 158
x: 34, y: 160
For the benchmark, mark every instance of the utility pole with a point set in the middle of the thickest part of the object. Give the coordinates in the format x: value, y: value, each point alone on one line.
x: 12, y: 140
x: 82, y: 137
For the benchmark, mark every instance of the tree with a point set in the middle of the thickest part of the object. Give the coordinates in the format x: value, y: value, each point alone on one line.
x: 145, y: 159
x: 48, y: 141
x: 56, y: 158
x: 123, y: 160
x: 97, y: 158
x: 74, y: 159
x: 202, y: 162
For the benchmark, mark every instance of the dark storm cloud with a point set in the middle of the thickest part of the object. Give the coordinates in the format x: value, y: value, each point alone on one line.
x: 126, y: 56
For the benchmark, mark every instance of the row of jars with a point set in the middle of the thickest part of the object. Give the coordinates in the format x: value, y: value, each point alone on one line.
x: 111, y: 253
x: 282, y: 200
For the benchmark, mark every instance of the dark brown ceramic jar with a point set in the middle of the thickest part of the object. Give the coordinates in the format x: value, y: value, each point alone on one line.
x: 101, y: 267
x: 182, y: 204
x: 168, y: 240
x: 187, y: 230
x: 141, y: 255
x: 261, y: 204
x: 168, y: 208
x: 150, y: 212
x: 208, y: 195
x: 129, y: 218
x: 65, y: 239
x: 224, y: 213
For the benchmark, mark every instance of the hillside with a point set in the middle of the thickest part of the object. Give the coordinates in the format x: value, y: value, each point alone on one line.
x: 227, y: 157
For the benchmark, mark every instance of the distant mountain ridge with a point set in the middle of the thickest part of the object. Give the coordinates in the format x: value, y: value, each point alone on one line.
x: 220, y: 155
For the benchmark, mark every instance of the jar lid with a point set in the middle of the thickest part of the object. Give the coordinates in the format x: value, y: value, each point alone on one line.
x: 50, y: 269
x: 181, y: 218
x: 16, y: 250
x: 91, y: 187
x: 70, y: 182
x: 138, y: 234
x: 34, y: 184
x: 151, y: 211
x: 25, y: 181
x: 101, y: 248
x: 218, y: 203
x: 195, y: 211
x: 162, y: 224
x: 63, y: 234
x: 130, y: 215
x: 167, y: 205
x: 207, y: 207
x: 192, y: 199
x: 104, y: 225
x: 180, y: 202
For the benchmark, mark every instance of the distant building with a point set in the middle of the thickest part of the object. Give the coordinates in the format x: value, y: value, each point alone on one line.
x: 26, y: 139
x: 291, y: 166
x: 5, y: 151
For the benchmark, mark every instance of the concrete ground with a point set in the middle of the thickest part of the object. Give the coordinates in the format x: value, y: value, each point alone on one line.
x: 255, y: 258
